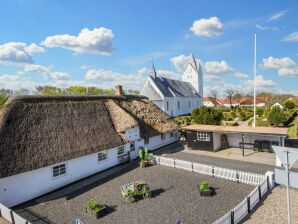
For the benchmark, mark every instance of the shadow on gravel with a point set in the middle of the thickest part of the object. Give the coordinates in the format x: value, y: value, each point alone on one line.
x: 157, y: 192
x: 109, y: 210
x: 33, y: 217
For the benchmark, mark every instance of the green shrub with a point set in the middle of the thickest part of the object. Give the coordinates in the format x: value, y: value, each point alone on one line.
x: 146, y: 154
x: 276, y: 116
x: 203, y: 186
x: 141, y: 153
x: 93, y: 206
x: 289, y: 105
x: 207, y: 115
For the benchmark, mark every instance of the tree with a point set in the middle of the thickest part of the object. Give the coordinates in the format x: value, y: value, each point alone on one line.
x: 277, y: 116
x: 229, y: 94
x: 3, y: 99
x: 48, y: 91
x: 213, y: 93
x: 207, y: 115
x: 289, y: 105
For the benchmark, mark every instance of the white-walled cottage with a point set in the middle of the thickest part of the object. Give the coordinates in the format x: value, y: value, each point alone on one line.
x: 49, y: 142
x: 176, y: 97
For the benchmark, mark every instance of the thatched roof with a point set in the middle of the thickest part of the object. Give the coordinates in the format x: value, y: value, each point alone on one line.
x: 40, y: 131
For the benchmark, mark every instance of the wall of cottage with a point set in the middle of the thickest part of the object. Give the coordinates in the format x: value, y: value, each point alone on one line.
x: 29, y: 185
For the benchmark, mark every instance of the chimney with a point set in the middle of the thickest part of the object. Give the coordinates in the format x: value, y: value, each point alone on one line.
x: 118, y: 90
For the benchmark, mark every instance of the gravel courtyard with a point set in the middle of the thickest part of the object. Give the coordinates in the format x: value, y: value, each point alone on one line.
x: 175, y: 196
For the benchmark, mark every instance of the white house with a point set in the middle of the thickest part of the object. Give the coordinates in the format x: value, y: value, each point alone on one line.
x: 277, y: 104
x: 176, y: 97
x: 49, y: 142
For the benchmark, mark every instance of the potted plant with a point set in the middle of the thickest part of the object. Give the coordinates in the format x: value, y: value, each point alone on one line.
x: 95, y: 207
x: 144, y: 163
x: 204, y: 189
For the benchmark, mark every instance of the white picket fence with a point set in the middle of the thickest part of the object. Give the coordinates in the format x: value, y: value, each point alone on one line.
x: 11, y: 216
x: 224, y: 173
x: 238, y: 213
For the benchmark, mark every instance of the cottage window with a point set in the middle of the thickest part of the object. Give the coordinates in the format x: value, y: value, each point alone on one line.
x: 203, y: 136
x: 167, y: 105
x: 120, y: 150
x: 178, y: 105
x: 162, y: 136
x: 59, y: 170
x: 146, y: 141
x: 171, y: 134
x: 102, y: 155
x: 132, y: 146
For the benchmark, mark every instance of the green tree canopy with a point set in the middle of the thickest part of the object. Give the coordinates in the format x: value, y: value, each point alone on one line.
x: 277, y: 116
x: 289, y: 105
x: 207, y: 115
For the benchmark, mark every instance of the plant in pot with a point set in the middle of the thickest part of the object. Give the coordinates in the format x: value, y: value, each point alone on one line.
x: 95, y: 207
x: 204, y: 189
x: 144, y: 163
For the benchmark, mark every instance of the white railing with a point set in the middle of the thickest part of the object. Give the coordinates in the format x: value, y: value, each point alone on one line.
x: 11, y: 216
x: 263, y: 184
x: 237, y: 214
x: 224, y: 173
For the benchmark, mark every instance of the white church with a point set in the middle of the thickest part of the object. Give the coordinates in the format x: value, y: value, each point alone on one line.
x: 176, y: 97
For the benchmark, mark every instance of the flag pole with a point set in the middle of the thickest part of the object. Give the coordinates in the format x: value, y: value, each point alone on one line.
x: 255, y: 71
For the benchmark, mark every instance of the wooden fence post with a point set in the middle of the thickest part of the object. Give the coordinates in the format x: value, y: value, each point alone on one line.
x: 192, y: 167
x: 248, y: 204
x: 260, y: 195
x: 212, y: 171
x: 237, y: 176
x: 174, y: 163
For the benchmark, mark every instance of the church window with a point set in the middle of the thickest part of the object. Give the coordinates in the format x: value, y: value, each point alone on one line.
x: 178, y: 105
x: 167, y: 105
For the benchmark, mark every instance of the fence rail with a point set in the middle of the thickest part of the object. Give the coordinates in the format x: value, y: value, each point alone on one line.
x: 11, y: 216
x: 224, y: 173
x: 237, y: 214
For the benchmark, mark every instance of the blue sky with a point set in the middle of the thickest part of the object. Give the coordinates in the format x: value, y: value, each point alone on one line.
x: 104, y: 43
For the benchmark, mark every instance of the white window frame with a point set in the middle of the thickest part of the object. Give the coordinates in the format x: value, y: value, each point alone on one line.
x: 60, y: 167
x: 203, y: 136
x: 119, y: 149
x: 102, y: 155
x: 134, y: 146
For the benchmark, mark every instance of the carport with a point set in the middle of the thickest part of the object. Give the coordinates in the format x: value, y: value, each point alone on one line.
x: 214, y: 138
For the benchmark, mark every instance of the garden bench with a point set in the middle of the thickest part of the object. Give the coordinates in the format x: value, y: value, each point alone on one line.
x: 242, y: 144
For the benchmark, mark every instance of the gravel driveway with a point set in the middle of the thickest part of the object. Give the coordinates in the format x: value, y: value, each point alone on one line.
x: 175, y: 195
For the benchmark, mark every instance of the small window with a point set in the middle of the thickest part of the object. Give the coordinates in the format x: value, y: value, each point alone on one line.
x: 167, y: 105
x: 59, y: 170
x: 171, y: 134
x: 162, y: 136
x: 121, y: 150
x: 132, y: 146
x: 178, y: 105
x: 203, y: 136
x: 102, y: 155
x: 146, y: 141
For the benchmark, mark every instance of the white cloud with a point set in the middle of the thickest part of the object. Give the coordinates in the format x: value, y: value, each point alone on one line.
x: 240, y: 75
x: 18, y: 53
x: 179, y: 62
x: 277, y: 15
x: 96, y: 41
x: 15, y: 82
x: 293, y: 37
x: 260, y: 82
x: 265, y: 28
x: 217, y: 68
x: 272, y: 62
x: 293, y: 71
x: 207, y: 27
x: 285, y: 66
x: 56, y: 75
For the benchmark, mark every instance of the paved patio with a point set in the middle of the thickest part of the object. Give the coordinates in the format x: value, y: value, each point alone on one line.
x: 175, y: 196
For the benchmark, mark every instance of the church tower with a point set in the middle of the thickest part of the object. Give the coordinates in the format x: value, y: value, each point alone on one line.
x: 193, y: 74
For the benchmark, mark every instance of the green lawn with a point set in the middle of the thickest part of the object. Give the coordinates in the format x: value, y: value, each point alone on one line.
x: 292, y: 128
